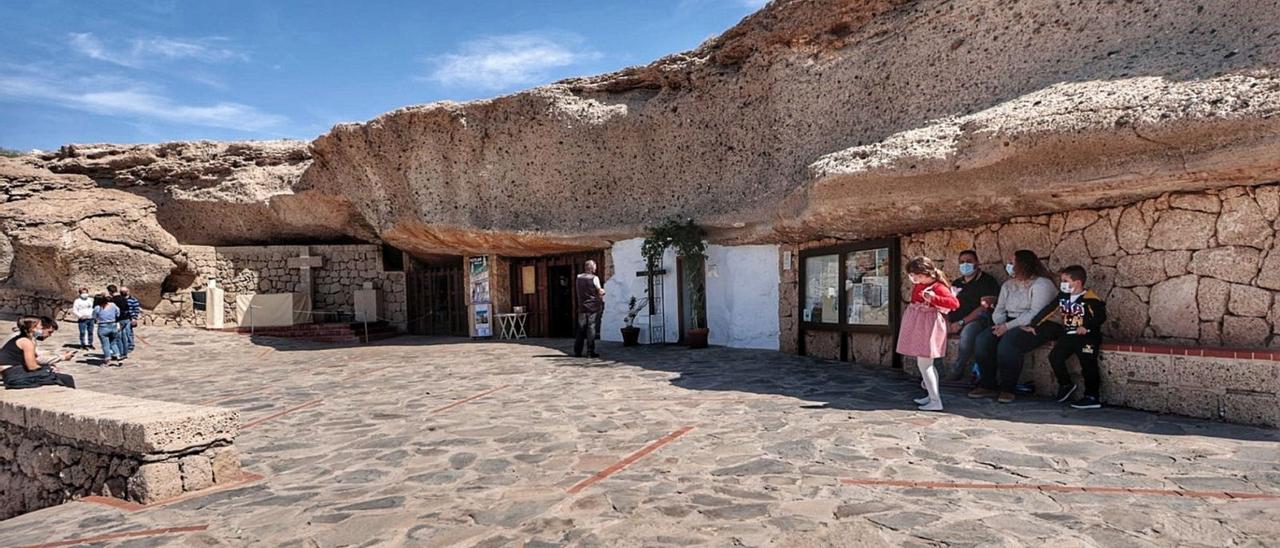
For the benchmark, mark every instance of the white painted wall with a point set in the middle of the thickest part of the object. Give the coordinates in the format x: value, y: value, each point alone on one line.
x: 742, y: 294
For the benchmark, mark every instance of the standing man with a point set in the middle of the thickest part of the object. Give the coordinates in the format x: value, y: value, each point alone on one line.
x: 971, y: 318
x: 134, y: 308
x: 590, y: 303
x: 82, y: 307
x: 122, y: 321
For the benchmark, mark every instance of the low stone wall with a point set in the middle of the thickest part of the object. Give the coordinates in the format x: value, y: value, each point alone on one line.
x: 58, y: 444
x: 14, y: 302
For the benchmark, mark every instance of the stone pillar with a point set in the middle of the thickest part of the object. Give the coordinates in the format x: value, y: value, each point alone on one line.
x: 368, y: 304
x: 214, y: 309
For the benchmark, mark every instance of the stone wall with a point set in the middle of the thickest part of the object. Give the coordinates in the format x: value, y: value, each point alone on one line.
x: 264, y: 269
x: 58, y: 444
x: 16, y: 302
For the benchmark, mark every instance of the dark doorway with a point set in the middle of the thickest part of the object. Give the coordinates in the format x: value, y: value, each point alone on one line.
x: 687, y: 288
x: 544, y: 286
x: 560, y: 301
x: 434, y: 289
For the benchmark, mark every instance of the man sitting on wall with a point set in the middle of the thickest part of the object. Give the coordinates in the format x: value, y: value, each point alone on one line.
x: 971, y: 318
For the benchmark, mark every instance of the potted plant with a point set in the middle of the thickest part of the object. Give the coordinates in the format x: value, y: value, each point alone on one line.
x: 631, y: 333
x: 686, y: 237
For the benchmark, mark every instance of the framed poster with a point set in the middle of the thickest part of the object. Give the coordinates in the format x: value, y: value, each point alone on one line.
x: 484, y: 327
x: 528, y: 280
x: 479, y: 280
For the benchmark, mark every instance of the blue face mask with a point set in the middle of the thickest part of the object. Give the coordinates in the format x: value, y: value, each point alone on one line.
x: 967, y: 269
x: 1008, y: 267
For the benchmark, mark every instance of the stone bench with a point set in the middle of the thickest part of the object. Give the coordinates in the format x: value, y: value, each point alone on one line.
x: 1240, y: 386
x: 59, y: 444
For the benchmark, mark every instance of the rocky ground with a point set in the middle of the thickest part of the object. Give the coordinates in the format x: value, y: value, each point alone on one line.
x: 433, y: 442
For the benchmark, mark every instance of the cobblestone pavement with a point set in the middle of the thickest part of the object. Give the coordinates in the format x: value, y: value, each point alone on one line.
x: 430, y: 442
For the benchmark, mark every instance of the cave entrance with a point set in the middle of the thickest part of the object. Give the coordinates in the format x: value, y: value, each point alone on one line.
x: 545, y: 287
x: 435, y: 290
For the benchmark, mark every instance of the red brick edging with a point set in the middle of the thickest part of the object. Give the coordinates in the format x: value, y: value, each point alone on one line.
x: 1046, y: 488
x: 121, y: 535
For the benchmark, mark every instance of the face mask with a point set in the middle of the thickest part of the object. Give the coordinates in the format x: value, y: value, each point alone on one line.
x: 1008, y: 267
x: 39, y: 334
x: 1066, y: 287
x: 967, y: 269
x: 84, y: 295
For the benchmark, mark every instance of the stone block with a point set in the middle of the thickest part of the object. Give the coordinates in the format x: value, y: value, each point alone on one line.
x: 1245, y: 332
x: 197, y: 472
x: 1211, y: 297
x: 1034, y: 237
x: 1147, y: 397
x: 1242, y: 223
x: 154, y: 482
x: 1256, y: 409
x: 1236, y: 264
x: 1141, y: 269
x: 1182, y: 229
x: 1173, y: 310
x: 225, y: 462
x: 1201, y: 404
x: 1246, y: 300
x: 1101, y: 239
x: 1205, y: 202
x: 1126, y: 314
x: 1131, y: 366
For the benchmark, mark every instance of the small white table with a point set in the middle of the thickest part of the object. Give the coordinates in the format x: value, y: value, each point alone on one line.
x: 511, y: 325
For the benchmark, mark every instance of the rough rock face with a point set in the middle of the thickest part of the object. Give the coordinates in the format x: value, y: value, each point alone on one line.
x: 810, y: 119
x: 61, y: 232
x: 817, y: 118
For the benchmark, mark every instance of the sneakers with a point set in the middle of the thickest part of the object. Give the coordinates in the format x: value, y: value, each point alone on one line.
x: 981, y: 392
x: 1087, y: 402
x: 921, y: 401
x: 1005, y: 397
x: 931, y: 406
x: 1064, y: 392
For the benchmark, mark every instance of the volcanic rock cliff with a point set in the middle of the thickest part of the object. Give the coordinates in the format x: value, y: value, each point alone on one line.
x: 809, y: 119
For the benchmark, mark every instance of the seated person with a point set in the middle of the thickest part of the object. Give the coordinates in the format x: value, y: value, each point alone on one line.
x: 18, y: 356
x: 973, y: 317
x: 1083, y: 314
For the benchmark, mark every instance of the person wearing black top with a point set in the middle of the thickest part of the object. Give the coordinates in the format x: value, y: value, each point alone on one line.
x: 1083, y: 314
x: 971, y: 318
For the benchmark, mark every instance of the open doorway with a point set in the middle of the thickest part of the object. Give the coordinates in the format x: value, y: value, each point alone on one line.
x: 435, y: 292
x: 692, y: 296
x: 560, y: 301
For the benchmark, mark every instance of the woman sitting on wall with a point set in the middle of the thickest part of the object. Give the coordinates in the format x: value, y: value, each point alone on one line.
x: 1000, y: 350
x: 19, y: 354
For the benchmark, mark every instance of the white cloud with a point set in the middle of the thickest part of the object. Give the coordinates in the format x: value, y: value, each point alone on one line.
x: 134, y: 102
x: 140, y: 52
x: 753, y: 4
x: 501, y: 62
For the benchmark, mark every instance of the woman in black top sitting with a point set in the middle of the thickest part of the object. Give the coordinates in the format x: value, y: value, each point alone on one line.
x: 19, y: 354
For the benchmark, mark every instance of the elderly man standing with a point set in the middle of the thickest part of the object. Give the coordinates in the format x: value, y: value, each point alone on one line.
x: 590, y: 303
x: 123, y: 323
x: 133, y: 308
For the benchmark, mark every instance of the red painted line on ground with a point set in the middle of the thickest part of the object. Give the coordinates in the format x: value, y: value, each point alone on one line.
x: 472, y: 398
x: 1048, y: 488
x: 221, y: 399
x: 632, y: 458
x: 311, y: 403
x: 141, y: 340
x: 265, y: 352
x: 246, y: 478
x: 127, y: 534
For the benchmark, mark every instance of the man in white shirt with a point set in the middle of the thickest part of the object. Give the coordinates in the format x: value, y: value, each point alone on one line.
x: 82, y: 308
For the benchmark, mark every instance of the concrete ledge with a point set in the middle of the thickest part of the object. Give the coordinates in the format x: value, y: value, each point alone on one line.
x: 59, y: 444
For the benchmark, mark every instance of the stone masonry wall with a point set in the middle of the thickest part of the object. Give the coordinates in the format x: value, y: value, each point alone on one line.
x: 264, y: 269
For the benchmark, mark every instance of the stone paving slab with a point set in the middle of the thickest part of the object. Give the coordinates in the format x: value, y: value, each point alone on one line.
x: 432, y: 442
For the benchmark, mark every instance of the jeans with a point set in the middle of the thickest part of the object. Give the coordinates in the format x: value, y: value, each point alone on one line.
x: 109, y: 335
x: 123, y: 335
x: 86, y: 332
x: 968, y: 343
x: 1085, y: 349
x: 126, y: 333
x: 585, y: 332
x: 1003, y: 355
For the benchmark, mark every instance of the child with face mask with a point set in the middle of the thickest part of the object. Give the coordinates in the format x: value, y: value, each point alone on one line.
x: 1083, y: 314
x: 923, y: 331
x: 82, y: 308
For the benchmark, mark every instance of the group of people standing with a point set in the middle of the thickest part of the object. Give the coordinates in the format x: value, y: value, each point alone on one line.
x: 997, y: 324
x: 114, y: 313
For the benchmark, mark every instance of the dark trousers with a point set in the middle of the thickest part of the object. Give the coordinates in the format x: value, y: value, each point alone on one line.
x: 585, y: 331
x: 1084, y: 349
x: 1001, y: 357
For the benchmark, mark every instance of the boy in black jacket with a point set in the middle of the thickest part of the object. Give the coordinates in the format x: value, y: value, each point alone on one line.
x: 1083, y: 314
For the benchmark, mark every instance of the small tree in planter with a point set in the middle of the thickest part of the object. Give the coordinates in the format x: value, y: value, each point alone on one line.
x: 686, y: 238
x: 631, y: 333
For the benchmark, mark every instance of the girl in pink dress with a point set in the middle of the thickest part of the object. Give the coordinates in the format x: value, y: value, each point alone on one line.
x: 923, y: 332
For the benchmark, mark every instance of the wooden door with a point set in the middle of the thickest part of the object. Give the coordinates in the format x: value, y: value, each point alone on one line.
x: 545, y: 318
x: 436, y: 304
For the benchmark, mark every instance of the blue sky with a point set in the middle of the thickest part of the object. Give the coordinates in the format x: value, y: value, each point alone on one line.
x: 162, y: 70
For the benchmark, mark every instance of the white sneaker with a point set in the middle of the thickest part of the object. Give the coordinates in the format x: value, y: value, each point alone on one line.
x: 922, y: 401
x: 931, y: 406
